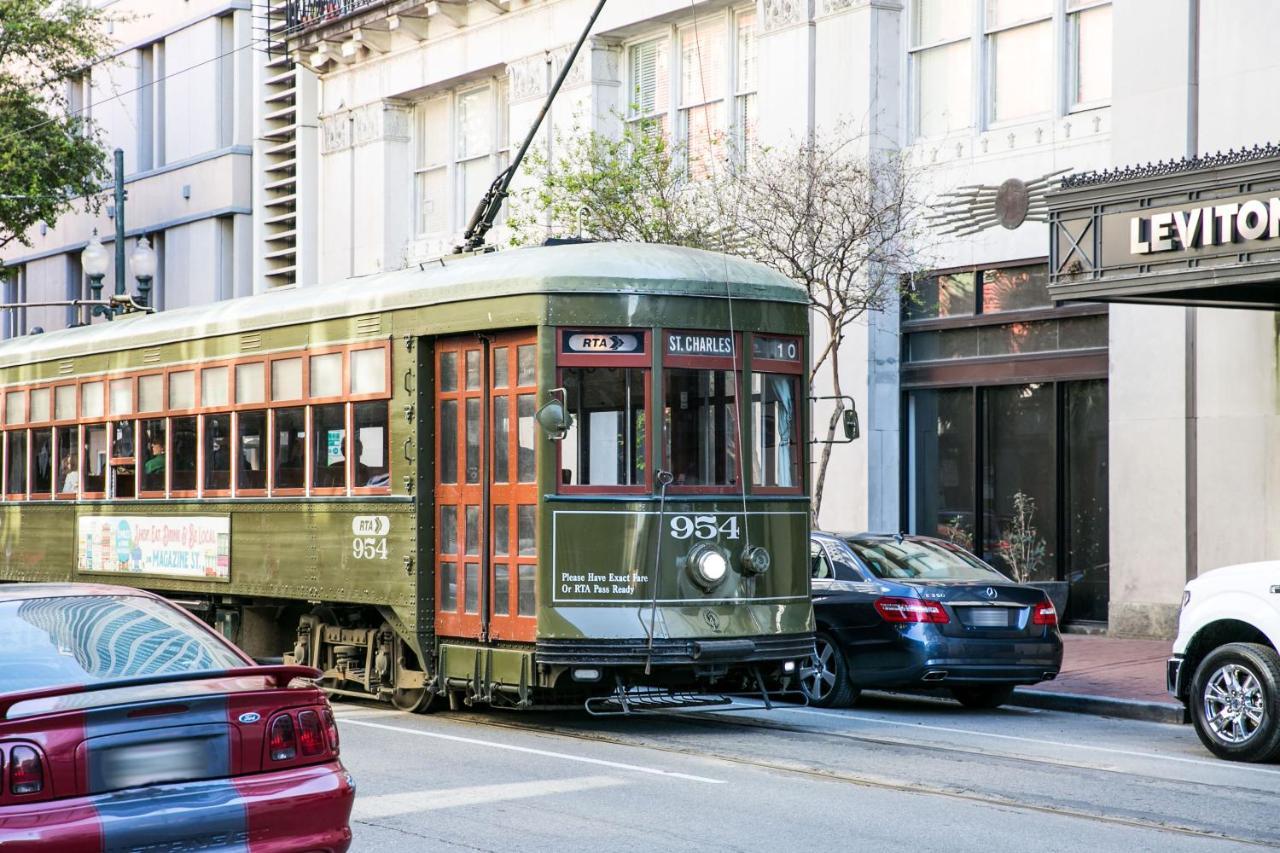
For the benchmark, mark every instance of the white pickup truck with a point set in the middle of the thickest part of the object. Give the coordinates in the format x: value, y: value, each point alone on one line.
x: 1225, y: 667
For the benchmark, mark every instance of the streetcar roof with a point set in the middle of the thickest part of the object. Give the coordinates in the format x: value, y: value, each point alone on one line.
x: 628, y: 268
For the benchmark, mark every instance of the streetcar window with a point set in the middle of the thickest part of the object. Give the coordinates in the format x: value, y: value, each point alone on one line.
x: 526, y: 469
x: 91, y: 403
x: 251, y: 451
x: 473, y: 440
x: 525, y: 594
x: 121, y: 397
x: 502, y: 530
x: 64, y: 403
x: 182, y: 389
x: 217, y: 452
x: 154, y: 455
x: 368, y: 371
x: 525, y: 522
x: 448, y: 529
x: 471, y: 589
x: 502, y: 439
x: 183, y: 448
x: 150, y: 393
x: 15, y: 407
x: 251, y: 383
x: 501, y: 589
x: 372, y: 445
x: 501, y: 367
x: 41, y: 461
x: 95, y: 458
x: 15, y: 480
x: 39, y: 405
x: 124, y: 481
x: 605, y: 445
x: 473, y: 370
x: 701, y: 426
x: 448, y: 586
x: 526, y: 365
x: 448, y: 440
x: 448, y: 371
x: 122, y: 440
x: 290, y: 449
x: 215, y: 386
x: 68, y: 460
x: 329, y: 450
x: 775, y: 457
x: 286, y: 379
x: 326, y: 375
x: 472, y: 531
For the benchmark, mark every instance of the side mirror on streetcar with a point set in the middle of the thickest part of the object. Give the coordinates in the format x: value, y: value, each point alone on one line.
x: 848, y: 419
x: 554, y: 417
x: 851, y: 430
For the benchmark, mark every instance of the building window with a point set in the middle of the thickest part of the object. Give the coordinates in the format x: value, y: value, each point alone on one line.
x: 1020, y: 58
x: 649, y: 67
x: 461, y: 147
x: 941, y: 65
x: 15, y: 293
x: 431, y: 177
x: 702, y: 79
x: 744, y: 94
x: 1089, y: 41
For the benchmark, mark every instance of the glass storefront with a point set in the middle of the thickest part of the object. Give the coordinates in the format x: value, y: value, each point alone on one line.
x: 1007, y: 454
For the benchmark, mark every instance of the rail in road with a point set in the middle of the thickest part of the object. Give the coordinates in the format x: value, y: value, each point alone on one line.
x: 989, y: 780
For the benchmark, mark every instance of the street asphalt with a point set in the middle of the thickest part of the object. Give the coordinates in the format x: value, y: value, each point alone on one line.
x: 895, y: 773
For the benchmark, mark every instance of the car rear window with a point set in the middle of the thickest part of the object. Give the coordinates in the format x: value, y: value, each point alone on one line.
x: 46, y: 642
x: 914, y: 559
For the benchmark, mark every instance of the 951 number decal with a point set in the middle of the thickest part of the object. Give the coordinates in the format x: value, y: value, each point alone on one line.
x: 703, y: 527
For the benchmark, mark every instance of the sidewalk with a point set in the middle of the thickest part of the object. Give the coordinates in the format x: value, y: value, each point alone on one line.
x: 1110, y: 677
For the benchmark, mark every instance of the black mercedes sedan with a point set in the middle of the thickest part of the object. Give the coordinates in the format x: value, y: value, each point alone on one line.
x: 897, y: 612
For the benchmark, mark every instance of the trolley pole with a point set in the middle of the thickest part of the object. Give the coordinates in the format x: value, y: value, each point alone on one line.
x: 120, y: 194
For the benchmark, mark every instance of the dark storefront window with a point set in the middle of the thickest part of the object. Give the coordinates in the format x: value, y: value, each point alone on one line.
x: 1006, y: 452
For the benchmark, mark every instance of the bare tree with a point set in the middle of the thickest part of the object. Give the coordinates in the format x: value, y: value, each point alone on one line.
x: 841, y: 218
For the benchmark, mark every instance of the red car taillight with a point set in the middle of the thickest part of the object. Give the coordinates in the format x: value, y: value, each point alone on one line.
x: 331, y: 728
x: 26, y: 771
x: 310, y: 737
x: 282, y: 744
x: 1044, y: 614
x: 900, y: 610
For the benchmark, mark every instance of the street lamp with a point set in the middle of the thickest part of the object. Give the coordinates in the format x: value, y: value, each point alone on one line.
x: 143, y: 264
x: 94, y: 260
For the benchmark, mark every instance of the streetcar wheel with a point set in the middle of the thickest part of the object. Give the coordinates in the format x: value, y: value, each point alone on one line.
x: 825, y: 681
x: 416, y: 701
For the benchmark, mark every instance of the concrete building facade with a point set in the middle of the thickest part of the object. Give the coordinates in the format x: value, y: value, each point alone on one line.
x: 1117, y: 450
x: 213, y: 125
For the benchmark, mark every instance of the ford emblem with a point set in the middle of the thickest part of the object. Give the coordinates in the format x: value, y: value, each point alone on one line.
x: 250, y: 717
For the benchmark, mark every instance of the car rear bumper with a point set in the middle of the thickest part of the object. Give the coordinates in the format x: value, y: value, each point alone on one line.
x: 922, y: 656
x: 299, y: 809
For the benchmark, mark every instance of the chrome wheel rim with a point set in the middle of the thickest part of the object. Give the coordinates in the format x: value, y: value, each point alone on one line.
x: 819, y: 678
x: 1234, y: 704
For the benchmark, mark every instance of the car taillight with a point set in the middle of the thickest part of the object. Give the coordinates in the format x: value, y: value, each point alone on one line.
x: 283, y: 744
x: 26, y: 771
x: 310, y: 738
x: 331, y: 728
x: 901, y: 610
x: 1044, y: 614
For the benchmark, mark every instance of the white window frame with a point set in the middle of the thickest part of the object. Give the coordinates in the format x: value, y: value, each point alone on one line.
x: 1072, y: 63
x: 989, y: 34
x: 740, y: 94
x: 914, y: 50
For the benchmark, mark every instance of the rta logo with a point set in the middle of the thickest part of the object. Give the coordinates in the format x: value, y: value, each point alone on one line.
x: 712, y: 620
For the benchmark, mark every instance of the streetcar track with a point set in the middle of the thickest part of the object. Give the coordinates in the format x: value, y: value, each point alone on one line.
x: 869, y: 781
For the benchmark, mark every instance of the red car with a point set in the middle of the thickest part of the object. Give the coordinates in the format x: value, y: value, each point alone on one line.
x: 126, y: 723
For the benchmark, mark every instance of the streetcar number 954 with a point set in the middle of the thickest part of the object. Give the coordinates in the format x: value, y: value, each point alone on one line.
x: 369, y: 548
x: 703, y: 527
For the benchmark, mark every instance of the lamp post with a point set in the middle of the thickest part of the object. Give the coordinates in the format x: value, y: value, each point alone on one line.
x: 94, y: 260
x: 143, y: 264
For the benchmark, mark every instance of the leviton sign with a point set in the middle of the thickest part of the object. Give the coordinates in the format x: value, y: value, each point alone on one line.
x: 1203, y: 227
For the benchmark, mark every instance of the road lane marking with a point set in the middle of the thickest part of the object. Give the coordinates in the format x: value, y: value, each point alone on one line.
x: 1233, y: 766
x: 546, y: 753
x: 391, y: 805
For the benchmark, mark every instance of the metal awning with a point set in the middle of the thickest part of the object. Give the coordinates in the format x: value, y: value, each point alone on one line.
x: 1196, y: 231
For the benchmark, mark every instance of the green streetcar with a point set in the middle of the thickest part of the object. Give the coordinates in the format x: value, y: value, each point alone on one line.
x: 564, y: 473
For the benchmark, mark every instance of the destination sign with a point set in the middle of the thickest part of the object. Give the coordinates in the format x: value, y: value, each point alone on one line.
x: 603, y: 342
x: 682, y: 343
x: 775, y: 349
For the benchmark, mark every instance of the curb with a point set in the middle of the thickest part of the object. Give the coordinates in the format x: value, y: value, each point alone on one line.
x: 1103, y: 706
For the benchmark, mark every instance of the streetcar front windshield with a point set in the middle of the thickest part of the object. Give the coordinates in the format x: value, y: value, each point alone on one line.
x: 702, y: 426
x: 605, y: 446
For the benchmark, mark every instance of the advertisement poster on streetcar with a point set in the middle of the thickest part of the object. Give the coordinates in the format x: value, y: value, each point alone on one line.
x: 182, y: 546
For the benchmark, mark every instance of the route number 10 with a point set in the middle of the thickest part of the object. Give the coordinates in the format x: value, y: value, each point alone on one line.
x: 703, y: 527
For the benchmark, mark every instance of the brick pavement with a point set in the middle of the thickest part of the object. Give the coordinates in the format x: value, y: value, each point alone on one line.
x: 1111, y: 667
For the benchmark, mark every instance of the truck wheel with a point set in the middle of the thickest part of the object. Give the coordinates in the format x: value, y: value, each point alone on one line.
x: 825, y: 680
x: 1235, y: 702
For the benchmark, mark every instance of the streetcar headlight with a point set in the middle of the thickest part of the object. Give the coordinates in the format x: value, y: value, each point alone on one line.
x: 756, y: 560
x: 707, y: 565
